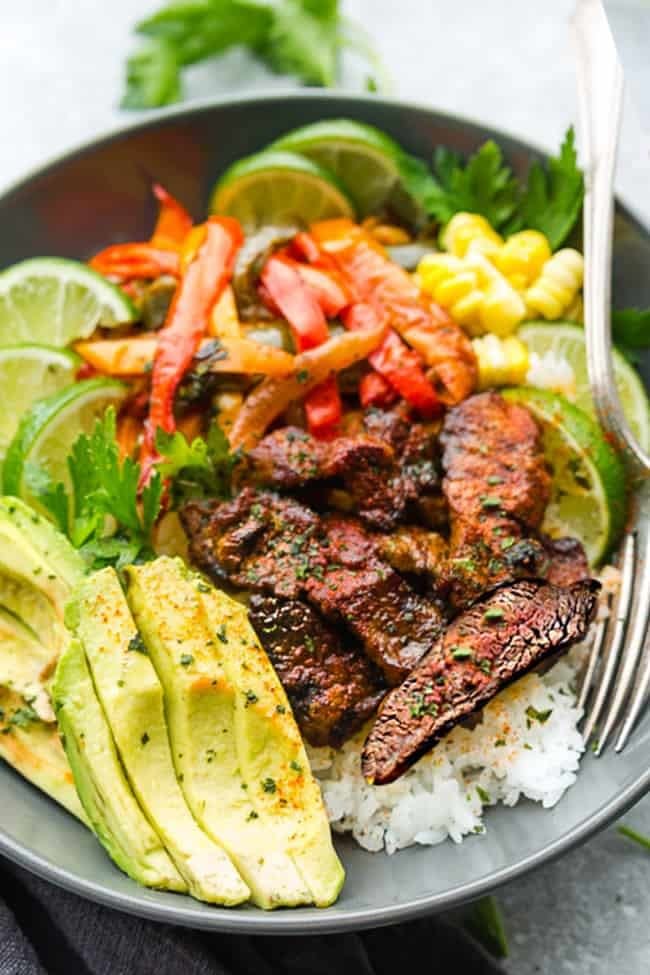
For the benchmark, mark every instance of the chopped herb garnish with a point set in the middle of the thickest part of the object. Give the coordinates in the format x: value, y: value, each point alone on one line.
x: 494, y: 613
x: 508, y: 542
x: 137, y: 644
x: 482, y: 794
x: 535, y: 715
x: 23, y: 716
x: 491, y: 502
x: 461, y: 653
x: 500, y: 743
x: 486, y: 665
x: 494, y: 479
x: 203, y: 587
x: 280, y: 708
x: 296, y: 766
x: 186, y: 659
x: 269, y: 785
x: 221, y: 633
x: 252, y: 815
x: 251, y: 697
x: 632, y: 834
x: 302, y: 375
x: 144, y: 739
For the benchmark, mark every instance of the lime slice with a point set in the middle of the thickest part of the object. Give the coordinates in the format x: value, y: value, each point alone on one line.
x: 279, y: 188
x: 588, y: 498
x: 28, y: 373
x: 47, y: 432
x: 564, y: 341
x: 374, y: 169
x: 55, y: 301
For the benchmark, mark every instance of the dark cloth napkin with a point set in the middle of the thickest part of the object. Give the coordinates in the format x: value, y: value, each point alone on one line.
x: 47, y: 931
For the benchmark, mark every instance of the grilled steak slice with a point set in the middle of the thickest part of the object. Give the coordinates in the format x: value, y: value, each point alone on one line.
x: 413, y: 550
x: 383, y: 467
x: 258, y: 541
x: 566, y: 561
x: 275, y: 545
x: 333, y: 688
x: 497, y: 488
x: 497, y: 640
x: 394, y: 624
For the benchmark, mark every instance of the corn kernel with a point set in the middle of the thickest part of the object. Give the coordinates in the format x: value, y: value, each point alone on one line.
x: 467, y: 231
x: 501, y: 362
x: 522, y: 257
x: 558, y: 284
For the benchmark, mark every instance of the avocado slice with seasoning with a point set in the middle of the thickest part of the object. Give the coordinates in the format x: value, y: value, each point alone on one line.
x: 201, y: 704
x: 34, y: 749
x: 105, y: 794
x: 35, y: 553
x: 270, y: 752
x: 131, y: 696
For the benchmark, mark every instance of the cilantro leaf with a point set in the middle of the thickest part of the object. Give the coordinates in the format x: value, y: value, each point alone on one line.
x: 486, y: 924
x: 152, y: 77
x: 298, y: 37
x: 52, y: 496
x: 553, y: 196
x: 484, y: 185
x: 104, y: 518
x: 631, y: 328
x: 202, y: 468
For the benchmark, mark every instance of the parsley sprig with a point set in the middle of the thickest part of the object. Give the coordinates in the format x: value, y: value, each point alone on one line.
x: 303, y: 38
x: 104, y: 514
x: 549, y: 201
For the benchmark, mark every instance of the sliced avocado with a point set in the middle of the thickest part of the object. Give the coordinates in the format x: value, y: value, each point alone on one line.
x: 111, y: 807
x: 30, y: 606
x: 271, y: 756
x: 34, y: 749
x: 201, y: 704
x: 132, y: 698
x: 35, y: 553
x: 25, y: 663
x: 271, y: 750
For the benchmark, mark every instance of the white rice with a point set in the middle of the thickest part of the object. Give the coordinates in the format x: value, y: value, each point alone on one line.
x: 553, y: 372
x: 526, y: 744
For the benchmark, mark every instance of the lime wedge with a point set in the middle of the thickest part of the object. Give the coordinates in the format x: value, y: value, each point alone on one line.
x: 279, y: 188
x: 48, y: 430
x: 588, y: 497
x: 374, y: 169
x: 28, y: 373
x: 54, y: 301
x: 565, y: 342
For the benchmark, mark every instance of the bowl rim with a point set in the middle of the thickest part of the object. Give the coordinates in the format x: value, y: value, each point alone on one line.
x: 306, y: 920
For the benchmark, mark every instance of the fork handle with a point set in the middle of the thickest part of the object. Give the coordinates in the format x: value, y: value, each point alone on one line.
x: 600, y: 92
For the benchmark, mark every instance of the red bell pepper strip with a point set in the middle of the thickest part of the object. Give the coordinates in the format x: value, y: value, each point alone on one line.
x: 328, y: 288
x: 124, y: 262
x: 396, y: 363
x: 286, y: 291
x: 296, y: 302
x: 200, y: 288
x: 374, y: 390
x: 174, y: 222
x: 396, y: 298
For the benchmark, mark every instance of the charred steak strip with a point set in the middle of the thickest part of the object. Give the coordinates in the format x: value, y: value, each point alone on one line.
x: 384, y: 466
x: 275, y: 545
x: 497, y: 488
x: 333, y: 688
x: 497, y: 640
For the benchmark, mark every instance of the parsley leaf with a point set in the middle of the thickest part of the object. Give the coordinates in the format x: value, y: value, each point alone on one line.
x: 52, y: 495
x: 484, y: 185
x: 152, y: 77
x: 553, y: 197
x: 631, y: 328
x: 104, y: 519
x: 298, y: 37
x: 199, y: 469
x: 486, y: 924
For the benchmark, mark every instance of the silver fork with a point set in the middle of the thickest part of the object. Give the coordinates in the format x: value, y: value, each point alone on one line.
x: 617, y: 678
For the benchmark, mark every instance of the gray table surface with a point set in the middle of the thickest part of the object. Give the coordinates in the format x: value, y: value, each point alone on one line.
x: 502, y: 61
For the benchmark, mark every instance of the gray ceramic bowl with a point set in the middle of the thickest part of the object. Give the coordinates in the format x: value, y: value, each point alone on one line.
x: 100, y: 194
